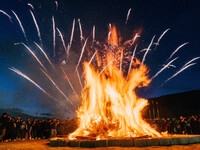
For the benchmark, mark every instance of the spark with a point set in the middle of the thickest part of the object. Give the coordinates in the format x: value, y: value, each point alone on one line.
x: 69, y: 81
x: 82, y: 51
x: 79, y: 79
x: 62, y: 39
x: 45, y: 55
x: 121, y: 59
x: 129, y: 69
x: 191, y: 61
x: 71, y: 38
x: 56, y: 5
x: 9, y: 17
x: 158, y: 41
x: 32, y: 54
x: 106, y: 67
x: 177, y: 50
x: 54, y: 36
x: 80, y: 28
x: 182, y: 69
x: 20, y: 24
x: 127, y: 17
x: 93, y: 35
x: 37, y: 27
x: 30, y: 6
x: 134, y: 39
x: 57, y: 87
x: 147, y: 50
x: 33, y: 82
x: 166, y: 66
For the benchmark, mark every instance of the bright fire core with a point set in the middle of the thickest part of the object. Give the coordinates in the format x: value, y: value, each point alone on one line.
x: 110, y: 106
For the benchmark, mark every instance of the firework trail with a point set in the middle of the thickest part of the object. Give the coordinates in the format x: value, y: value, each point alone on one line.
x: 106, y: 67
x: 9, y: 17
x: 134, y: 39
x: 30, y: 6
x: 177, y: 50
x: 69, y: 81
x: 79, y: 79
x: 20, y: 24
x: 71, y: 38
x: 147, y: 50
x: 80, y: 28
x: 166, y: 66
x: 121, y: 59
x: 129, y: 11
x: 109, y: 33
x: 191, y: 61
x: 158, y: 41
x: 56, y: 5
x: 32, y: 54
x: 129, y: 69
x: 54, y: 36
x: 37, y: 27
x: 182, y: 69
x: 93, y: 35
x: 82, y: 51
x: 62, y: 39
x: 45, y: 55
x: 57, y: 87
x: 27, y: 78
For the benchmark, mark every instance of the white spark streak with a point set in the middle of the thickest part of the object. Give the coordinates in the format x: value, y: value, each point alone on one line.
x: 37, y: 27
x: 147, y: 50
x: 57, y: 87
x: 54, y: 36
x: 69, y: 81
x: 62, y: 39
x: 93, y: 35
x: 20, y: 24
x: 32, y: 54
x: 129, y: 69
x: 30, y: 6
x: 44, y: 55
x: 82, y: 51
x: 166, y: 66
x: 177, y: 50
x: 9, y: 17
x: 127, y: 17
x: 71, y: 38
x: 158, y: 41
x: 56, y: 5
x: 80, y: 28
x: 191, y: 61
x: 121, y: 59
x: 79, y: 78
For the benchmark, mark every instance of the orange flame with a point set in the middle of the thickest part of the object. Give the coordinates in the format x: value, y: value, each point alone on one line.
x: 110, y: 106
x: 113, y: 40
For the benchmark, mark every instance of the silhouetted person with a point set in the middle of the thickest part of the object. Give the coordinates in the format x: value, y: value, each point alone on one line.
x: 53, y: 128
x: 28, y: 128
x: 18, y: 127
x: 3, y: 126
x: 34, y: 128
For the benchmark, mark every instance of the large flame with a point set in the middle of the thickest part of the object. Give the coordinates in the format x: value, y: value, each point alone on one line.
x: 110, y: 106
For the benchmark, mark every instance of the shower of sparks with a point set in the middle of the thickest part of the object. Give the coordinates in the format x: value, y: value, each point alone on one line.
x: 62, y: 39
x: 40, y: 48
x: 158, y: 41
x: 69, y: 81
x: 30, y: 6
x: 130, y: 65
x: 128, y: 14
x: 80, y: 28
x: 32, y: 54
x: 20, y: 24
x: 71, y: 38
x: 57, y: 87
x: 166, y: 66
x: 93, y: 34
x: 147, y: 50
x: 9, y: 17
x: 177, y: 50
x: 37, y: 27
x: 54, y: 36
x: 82, y: 51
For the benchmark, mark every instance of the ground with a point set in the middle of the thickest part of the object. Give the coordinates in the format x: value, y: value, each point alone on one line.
x: 44, y: 144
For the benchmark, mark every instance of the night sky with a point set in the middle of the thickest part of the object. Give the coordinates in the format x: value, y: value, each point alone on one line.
x: 149, y: 17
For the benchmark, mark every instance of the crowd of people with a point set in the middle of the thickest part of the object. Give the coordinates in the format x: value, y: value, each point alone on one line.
x: 20, y: 129
x: 12, y: 129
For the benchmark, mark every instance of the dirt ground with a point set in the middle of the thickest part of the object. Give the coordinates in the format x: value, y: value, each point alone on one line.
x: 44, y: 144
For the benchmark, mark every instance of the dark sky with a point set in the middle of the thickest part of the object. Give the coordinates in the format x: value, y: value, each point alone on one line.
x: 149, y: 16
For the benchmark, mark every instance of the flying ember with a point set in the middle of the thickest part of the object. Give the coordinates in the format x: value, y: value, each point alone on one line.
x: 110, y: 106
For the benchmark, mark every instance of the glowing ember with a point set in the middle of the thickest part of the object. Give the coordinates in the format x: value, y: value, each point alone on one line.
x: 110, y: 106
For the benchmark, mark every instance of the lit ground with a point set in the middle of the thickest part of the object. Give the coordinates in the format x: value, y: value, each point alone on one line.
x: 44, y: 144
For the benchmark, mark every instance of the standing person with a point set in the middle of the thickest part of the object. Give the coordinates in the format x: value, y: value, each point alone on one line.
x: 182, y: 125
x: 23, y: 129
x: 34, y: 128
x: 42, y: 128
x: 28, y: 128
x: 3, y: 126
x: 9, y: 130
x: 47, y: 128
x: 53, y: 128
x: 18, y: 127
